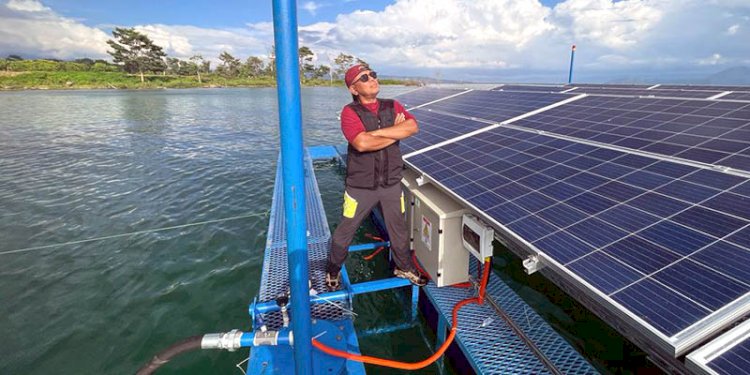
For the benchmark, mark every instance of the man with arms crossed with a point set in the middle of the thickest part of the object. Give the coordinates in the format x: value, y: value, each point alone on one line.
x: 373, y: 128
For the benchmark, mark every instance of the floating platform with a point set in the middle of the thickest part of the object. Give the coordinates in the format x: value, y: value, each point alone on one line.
x: 502, y: 336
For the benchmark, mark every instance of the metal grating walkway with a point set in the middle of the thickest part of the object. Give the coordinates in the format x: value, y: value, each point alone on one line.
x: 495, y: 348
x: 275, y: 277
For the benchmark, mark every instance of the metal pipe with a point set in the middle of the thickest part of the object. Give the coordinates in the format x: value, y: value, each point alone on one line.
x: 572, y: 56
x: 290, y: 122
x: 368, y: 246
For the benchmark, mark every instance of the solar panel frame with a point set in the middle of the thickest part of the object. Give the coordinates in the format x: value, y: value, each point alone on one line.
x: 537, y: 228
x: 729, y: 354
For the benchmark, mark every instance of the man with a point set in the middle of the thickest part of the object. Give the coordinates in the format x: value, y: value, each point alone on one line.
x: 373, y: 128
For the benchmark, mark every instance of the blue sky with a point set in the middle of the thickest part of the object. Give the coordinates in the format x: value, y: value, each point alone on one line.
x: 479, y: 40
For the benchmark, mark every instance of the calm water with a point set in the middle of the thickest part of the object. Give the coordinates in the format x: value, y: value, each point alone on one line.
x: 115, y: 165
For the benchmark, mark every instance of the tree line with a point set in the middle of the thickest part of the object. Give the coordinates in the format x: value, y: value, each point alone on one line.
x: 134, y: 53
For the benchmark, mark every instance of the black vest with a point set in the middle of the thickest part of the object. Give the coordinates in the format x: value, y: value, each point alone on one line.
x: 368, y: 170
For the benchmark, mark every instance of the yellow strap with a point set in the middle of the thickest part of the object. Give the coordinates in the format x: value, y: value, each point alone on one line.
x: 350, y: 206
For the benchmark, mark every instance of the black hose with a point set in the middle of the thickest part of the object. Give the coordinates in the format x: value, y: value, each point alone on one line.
x: 186, y: 345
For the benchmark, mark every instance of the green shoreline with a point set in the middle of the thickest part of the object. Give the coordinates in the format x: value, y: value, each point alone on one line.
x: 18, y: 81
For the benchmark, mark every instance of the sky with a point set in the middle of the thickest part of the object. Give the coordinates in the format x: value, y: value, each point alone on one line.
x: 475, y: 40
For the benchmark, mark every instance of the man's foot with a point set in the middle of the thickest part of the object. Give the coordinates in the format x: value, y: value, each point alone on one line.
x: 333, y: 282
x: 414, y: 276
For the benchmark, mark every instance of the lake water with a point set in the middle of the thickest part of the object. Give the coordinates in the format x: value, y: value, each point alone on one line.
x: 132, y: 219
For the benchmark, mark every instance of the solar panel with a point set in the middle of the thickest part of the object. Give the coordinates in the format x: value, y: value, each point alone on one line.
x: 496, y: 105
x: 666, y: 245
x: 737, y: 96
x: 705, y: 87
x: 435, y: 128
x: 727, y: 355
x: 659, y: 93
x: 705, y: 131
x: 531, y: 88
x: 425, y: 95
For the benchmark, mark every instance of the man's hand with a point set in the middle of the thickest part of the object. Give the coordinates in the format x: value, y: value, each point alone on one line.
x: 399, y: 119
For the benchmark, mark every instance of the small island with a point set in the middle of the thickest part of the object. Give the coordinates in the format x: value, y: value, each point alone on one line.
x: 138, y: 63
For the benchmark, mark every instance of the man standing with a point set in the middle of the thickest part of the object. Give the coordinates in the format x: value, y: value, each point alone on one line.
x: 373, y: 128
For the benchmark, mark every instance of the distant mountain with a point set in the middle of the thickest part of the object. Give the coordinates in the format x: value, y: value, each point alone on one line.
x: 738, y: 75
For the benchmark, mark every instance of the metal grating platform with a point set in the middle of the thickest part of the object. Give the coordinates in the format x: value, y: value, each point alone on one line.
x: 495, y: 348
x: 275, y: 277
x: 317, y: 225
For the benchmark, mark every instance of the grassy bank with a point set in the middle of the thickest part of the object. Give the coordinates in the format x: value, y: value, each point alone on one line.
x: 118, y: 80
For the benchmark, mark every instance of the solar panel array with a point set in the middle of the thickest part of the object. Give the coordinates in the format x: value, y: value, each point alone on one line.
x: 621, y: 195
x: 711, y: 132
x: 659, y: 91
x: 705, y: 87
x: 535, y: 88
x: 421, y: 96
x: 435, y: 128
x: 495, y: 105
x: 738, y: 96
x: 728, y: 354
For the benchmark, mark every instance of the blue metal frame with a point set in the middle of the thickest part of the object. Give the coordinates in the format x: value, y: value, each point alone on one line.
x: 339, y: 295
x: 290, y: 121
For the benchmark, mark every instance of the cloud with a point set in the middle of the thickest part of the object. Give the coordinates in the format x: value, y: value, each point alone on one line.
x: 614, y: 25
x: 30, y: 29
x: 449, y: 37
x: 515, y: 35
x: 311, y: 7
x: 712, y: 60
x: 185, y: 41
x: 27, y: 6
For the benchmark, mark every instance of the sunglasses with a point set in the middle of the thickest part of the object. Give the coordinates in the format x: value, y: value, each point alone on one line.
x: 366, y: 77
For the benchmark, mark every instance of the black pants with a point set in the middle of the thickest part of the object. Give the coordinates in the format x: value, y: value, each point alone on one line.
x: 358, y: 203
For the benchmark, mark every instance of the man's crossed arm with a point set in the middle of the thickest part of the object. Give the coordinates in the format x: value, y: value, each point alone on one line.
x: 382, y: 138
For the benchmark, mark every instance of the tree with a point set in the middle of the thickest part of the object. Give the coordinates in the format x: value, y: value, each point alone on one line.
x: 198, y: 61
x: 253, y: 67
x: 363, y: 62
x: 136, y: 52
x: 321, y: 71
x: 342, y: 62
x: 271, y: 66
x: 305, y: 61
x: 173, y: 65
x: 14, y: 58
x: 230, y: 65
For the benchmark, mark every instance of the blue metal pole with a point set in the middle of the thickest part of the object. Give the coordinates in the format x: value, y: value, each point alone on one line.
x: 572, y: 56
x: 290, y: 117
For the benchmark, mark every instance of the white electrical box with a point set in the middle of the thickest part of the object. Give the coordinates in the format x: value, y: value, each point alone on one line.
x: 477, y: 237
x: 435, y: 222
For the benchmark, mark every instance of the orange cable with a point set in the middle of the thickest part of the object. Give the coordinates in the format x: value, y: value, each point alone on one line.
x: 374, y: 253
x: 424, y: 363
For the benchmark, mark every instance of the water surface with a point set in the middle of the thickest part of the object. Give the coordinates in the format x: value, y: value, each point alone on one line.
x: 91, y: 282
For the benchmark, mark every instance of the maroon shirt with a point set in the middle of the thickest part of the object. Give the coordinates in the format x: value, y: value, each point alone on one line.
x: 351, y: 125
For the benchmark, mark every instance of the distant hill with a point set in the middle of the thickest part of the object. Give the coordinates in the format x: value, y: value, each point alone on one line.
x: 738, y: 75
